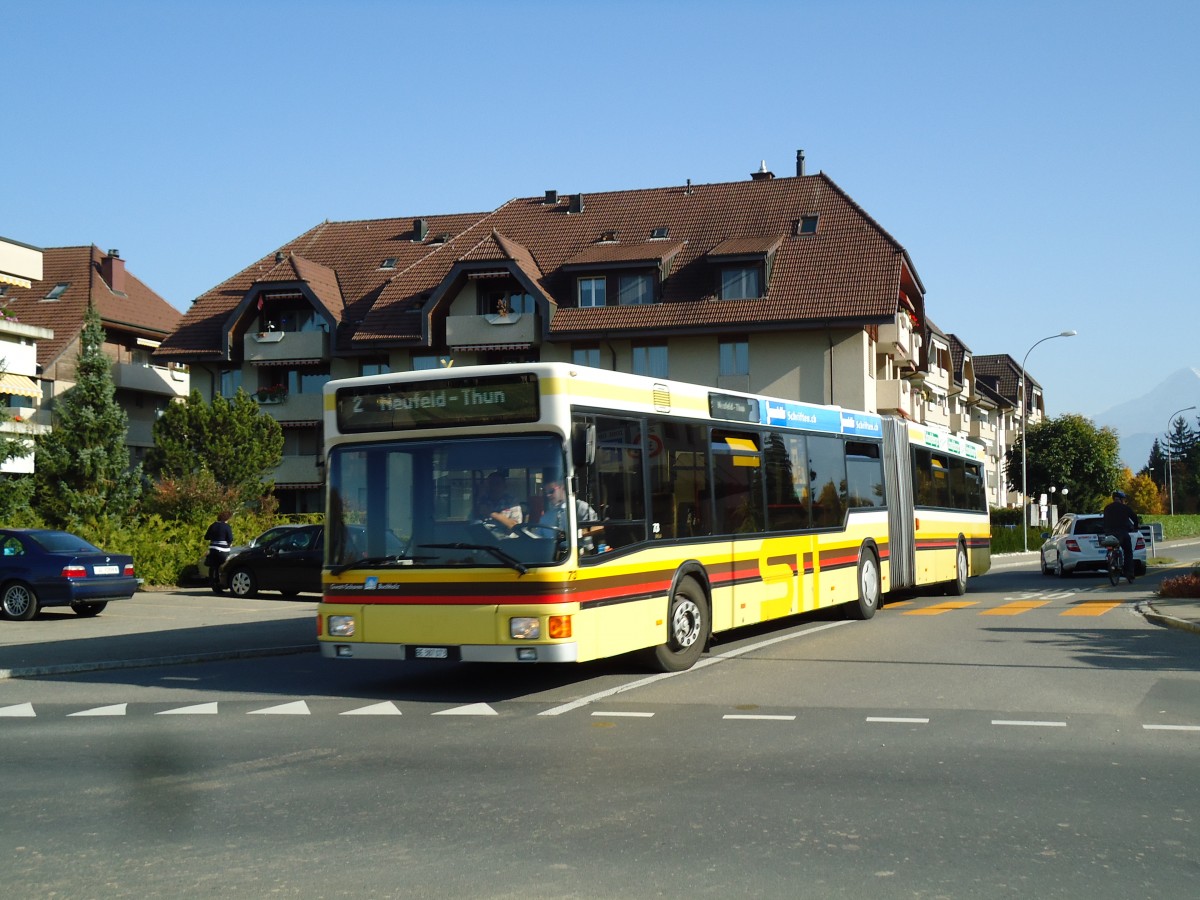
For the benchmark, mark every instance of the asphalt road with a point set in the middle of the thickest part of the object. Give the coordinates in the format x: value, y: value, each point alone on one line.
x: 1042, y: 741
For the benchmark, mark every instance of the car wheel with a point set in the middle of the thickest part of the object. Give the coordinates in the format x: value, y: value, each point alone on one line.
x: 243, y: 584
x: 1058, y: 568
x: 688, y: 627
x: 19, y: 602
x: 87, y: 610
x: 1045, y: 568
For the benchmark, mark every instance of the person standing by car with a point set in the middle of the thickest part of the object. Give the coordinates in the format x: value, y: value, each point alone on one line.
x: 1119, y: 521
x: 220, y: 539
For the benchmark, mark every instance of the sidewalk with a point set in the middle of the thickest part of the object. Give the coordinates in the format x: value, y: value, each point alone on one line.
x: 173, y: 626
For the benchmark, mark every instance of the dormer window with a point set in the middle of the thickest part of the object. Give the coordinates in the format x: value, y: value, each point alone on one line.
x: 741, y: 283
x: 57, y: 291
x: 806, y: 225
x: 635, y: 289
x: 592, y: 292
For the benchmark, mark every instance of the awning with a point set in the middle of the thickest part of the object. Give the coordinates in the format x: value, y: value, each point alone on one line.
x: 524, y: 346
x: 5, y: 278
x: 21, y: 385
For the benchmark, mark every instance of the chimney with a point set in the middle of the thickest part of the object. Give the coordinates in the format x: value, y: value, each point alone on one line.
x: 420, y: 230
x: 551, y: 198
x: 576, y: 204
x: 763, y: 174
x: 799, y: 163
x: 112, y: 269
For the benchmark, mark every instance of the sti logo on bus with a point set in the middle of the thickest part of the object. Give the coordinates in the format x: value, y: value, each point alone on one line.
x: 438, y: 403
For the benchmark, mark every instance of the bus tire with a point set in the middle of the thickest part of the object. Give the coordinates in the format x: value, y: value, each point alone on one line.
x: 869, y: 592
x: 688, y: 627
x: 958, y: 586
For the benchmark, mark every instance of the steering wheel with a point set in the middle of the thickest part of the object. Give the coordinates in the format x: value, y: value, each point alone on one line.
x: 539, y: 531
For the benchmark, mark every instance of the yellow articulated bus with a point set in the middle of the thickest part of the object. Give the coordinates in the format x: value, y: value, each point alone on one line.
x: 547, y: 512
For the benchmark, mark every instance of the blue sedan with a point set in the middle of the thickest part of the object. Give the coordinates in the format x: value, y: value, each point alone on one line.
x: 55, y: 568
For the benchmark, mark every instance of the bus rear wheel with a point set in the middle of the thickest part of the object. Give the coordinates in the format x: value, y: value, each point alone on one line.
x: 958, y: 586
x: 688, y: 627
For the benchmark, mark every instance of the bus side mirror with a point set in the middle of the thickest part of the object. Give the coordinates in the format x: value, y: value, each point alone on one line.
x: 583, y: 444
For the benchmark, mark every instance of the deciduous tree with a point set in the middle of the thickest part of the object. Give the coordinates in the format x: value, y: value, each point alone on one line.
x: 1068, y: 452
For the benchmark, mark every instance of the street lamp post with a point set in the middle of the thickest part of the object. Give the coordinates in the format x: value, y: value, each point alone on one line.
x: 1024, y: 415
x: 1170, y: 477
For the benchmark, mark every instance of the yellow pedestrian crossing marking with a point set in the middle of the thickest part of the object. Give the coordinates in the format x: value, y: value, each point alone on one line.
x: 1092, y: 608
x: 1011, y: 608
x: 1015, y: 608
x: 938, y: 608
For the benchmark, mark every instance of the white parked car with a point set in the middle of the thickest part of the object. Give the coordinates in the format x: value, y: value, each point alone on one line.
x: 1074, y: 546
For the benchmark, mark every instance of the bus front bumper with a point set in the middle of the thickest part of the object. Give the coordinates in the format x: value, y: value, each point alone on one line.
x: 509, y: 653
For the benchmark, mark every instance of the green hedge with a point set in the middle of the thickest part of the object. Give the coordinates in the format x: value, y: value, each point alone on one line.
x: 1006, y: 530
x: 166, y: 552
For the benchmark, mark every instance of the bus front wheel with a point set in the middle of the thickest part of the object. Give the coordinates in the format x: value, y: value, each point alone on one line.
x: 688, y: 627
x: 869, y: 585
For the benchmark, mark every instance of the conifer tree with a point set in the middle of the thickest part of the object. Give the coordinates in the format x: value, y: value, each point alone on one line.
x: 232, y: 440
x: 82, y: 472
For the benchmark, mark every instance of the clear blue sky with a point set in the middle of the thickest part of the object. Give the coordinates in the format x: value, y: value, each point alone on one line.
x: 1039, y: 160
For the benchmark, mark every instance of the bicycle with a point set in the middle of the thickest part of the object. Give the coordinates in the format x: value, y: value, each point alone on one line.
x: 1115, y: 559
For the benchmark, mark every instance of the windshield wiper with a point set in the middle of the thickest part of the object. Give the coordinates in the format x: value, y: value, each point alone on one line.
x: 369, y: 561
x: 509, y: 561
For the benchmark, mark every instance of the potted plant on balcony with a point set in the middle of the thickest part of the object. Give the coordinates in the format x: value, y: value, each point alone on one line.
x: 275, y: 393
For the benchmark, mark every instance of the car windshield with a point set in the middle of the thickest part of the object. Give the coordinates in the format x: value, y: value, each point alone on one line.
x: 62, y: 542
x: 469, y: 502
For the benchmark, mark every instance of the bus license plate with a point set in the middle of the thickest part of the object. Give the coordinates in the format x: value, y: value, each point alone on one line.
x: 432, y: 653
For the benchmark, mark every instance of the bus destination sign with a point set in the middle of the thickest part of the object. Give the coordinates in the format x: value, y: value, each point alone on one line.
x: 441, y: 403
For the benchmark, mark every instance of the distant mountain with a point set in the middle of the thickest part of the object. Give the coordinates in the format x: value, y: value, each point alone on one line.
x: 1140, y: 421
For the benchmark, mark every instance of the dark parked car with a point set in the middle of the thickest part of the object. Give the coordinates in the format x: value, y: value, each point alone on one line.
x: 273, y: 532
x: 56, y: 568
x: 289, y: 563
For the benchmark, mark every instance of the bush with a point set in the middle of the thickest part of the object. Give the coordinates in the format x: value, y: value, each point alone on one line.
x: 1182, y: 586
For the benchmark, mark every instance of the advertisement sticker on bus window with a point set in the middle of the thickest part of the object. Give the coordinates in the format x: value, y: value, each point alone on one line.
x: 440, y: 403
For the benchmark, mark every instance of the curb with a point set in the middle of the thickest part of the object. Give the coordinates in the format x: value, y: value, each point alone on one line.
x: 1165, y: 621
x: 179, y: 659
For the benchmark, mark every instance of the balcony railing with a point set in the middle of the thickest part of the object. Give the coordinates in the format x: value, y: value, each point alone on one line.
x: 490, y: 331
x: 151, y: 379
x: 900, y: 340
x: 295, y: 408
x: 298, y: 470
x: 894, y: 395
x: 273, y: 346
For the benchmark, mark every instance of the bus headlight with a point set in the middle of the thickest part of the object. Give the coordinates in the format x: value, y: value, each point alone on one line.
x: 525, y: 628
x: 341, y: 626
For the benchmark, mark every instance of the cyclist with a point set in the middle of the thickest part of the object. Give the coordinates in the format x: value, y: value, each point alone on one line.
x: 1119, y: 521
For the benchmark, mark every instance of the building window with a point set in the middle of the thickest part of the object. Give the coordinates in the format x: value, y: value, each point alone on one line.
x: 231, y: 380
x: 373, y: 368
x: 635, y: 289
x: 592, y: 292
x: 423, y: 361
x: 741, y: 283
x: 734, y: 358
x: 806, y: 225
x: 503, y: 303
x: 650, y: 359
x: 58, y: 290
x: 586, y: 356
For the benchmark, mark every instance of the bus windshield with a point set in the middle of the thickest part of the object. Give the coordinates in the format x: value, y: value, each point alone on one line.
x: 453, y: 502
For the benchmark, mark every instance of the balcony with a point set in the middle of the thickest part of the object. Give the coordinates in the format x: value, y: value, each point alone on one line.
x: 900, y: 340
x: 294, y: 408
x: 151, y: 379
x: 276, y: 346
x: 894, y: 395
x: 490, y: 331
x: 298, y: 470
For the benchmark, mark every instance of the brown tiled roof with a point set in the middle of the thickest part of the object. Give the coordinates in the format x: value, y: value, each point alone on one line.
x: 138, y: 310
x: 1006, y: 371
x: 850, y: 271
